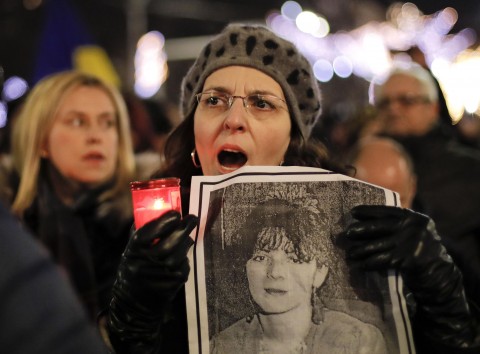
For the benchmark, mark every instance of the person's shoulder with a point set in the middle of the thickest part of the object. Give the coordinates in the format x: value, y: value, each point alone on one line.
x: 463, y: 151
x: 241, y: 336
x: 39, y: 301
x: 348, y: 322
x: 237, y: 329
x: 351, y: 332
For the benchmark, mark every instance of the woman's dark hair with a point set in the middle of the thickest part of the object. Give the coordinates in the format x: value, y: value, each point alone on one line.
x: 178, y: 147
x: 307, y: 230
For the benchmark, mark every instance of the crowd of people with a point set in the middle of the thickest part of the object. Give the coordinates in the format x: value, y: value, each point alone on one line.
x: 446, y: 169
x: 250, y: 98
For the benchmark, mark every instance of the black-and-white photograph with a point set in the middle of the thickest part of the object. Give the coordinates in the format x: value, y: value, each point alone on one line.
x: 276, y: 279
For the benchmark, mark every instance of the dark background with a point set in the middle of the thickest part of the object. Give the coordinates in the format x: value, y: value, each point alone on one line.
x: 109, y: 22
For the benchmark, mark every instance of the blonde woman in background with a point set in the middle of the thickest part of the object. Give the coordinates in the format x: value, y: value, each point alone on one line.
x: 71, y: 161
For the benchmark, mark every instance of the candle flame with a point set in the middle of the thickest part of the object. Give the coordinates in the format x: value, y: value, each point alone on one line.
x: 159, y: 204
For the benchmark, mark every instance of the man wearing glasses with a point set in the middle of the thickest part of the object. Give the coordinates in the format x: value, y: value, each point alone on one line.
x: 448, y: 185
x: 408, y: 102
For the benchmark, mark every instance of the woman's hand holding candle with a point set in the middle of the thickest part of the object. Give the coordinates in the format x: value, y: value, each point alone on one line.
x: 153, y: 268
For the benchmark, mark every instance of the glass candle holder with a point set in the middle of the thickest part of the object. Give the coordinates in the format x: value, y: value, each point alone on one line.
x: 153, y: 198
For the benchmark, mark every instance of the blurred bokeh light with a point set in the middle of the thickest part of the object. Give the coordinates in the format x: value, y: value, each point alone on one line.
x: 3, y: 114
x: 14, y: 88
x: 371, y: 50
x: 151, y: 68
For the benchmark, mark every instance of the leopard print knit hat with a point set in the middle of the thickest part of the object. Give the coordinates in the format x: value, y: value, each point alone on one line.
x: 257, y: 47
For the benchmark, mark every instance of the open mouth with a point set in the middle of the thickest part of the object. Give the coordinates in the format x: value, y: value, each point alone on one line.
x: 232, y: 160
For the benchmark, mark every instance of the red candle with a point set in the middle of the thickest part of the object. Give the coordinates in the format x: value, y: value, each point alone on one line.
x: 153, y: 198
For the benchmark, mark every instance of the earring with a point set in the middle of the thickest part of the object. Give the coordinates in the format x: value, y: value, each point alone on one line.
x: 194, y: 159
x: 317, y: 308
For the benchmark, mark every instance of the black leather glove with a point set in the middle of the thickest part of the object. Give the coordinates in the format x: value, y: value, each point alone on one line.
x: 153, y: 268
x: 389, y: 237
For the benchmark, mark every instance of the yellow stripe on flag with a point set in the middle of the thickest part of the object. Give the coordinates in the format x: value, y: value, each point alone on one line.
x: 94, y: 60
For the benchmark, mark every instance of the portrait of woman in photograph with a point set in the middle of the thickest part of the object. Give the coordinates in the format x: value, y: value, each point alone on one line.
x: 286, y: 266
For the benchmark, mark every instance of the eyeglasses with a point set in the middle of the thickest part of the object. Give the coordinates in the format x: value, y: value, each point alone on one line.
x: 258, y: 105
x: 403, y: 100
